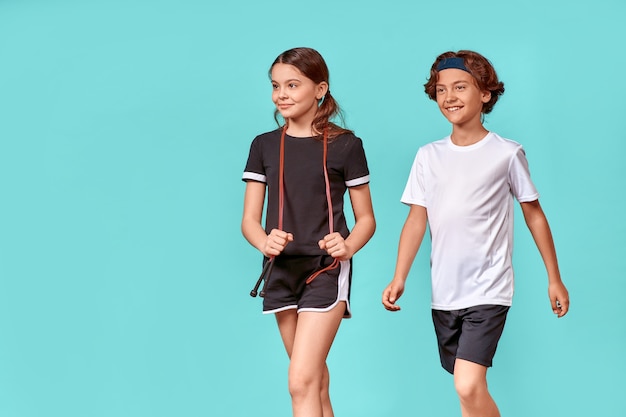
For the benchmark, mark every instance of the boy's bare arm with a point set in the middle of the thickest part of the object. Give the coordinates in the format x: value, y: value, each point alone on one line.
x: 410, y: 242
x: 540, y: 230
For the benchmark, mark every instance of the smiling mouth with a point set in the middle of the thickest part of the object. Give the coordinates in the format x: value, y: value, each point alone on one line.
x: 453, y: 109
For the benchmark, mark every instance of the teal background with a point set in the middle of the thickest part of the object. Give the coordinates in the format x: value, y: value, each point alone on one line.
x: 124, y: 130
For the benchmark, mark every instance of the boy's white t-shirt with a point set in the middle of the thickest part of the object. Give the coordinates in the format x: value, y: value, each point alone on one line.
x: 468, y: 194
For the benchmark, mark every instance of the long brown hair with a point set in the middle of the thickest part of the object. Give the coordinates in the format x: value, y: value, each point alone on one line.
x: 481, y: 69
x: 312, y: 65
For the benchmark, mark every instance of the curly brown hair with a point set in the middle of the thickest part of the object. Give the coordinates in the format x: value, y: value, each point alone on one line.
x: 481, y: 69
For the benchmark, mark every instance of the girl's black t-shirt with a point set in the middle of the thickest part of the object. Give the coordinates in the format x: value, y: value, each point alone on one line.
x: 305, y: 212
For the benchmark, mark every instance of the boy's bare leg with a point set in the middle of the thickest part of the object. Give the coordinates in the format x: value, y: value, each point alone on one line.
x: 470, y: 382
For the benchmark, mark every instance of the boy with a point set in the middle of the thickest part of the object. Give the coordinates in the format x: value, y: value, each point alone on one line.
x: 462, y: 186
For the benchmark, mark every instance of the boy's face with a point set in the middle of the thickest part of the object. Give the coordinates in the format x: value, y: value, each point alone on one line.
x: 459, y: 98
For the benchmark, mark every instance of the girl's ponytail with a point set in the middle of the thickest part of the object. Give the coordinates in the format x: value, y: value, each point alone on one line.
x: 327, y: 110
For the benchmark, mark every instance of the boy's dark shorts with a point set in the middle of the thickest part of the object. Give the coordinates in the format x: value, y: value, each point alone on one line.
x: 288, y: 289
x: 471, y: 334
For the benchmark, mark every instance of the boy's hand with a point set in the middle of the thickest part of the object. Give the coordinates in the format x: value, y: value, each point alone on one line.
x: 559, y: 298
x: 392, y: 293
x: 276, y: 242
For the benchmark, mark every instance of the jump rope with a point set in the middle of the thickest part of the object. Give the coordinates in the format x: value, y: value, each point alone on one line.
x: 267, y: 268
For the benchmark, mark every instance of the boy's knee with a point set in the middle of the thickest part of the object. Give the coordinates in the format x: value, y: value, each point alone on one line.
x: 469, y: 389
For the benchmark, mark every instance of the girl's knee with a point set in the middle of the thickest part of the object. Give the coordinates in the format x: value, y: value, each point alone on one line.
x: 302, y: 382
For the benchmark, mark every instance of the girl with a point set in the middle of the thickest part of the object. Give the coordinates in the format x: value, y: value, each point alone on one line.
x: 306, y: 165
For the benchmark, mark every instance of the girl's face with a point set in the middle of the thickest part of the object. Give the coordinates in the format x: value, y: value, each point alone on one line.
x: 296, y: 97
x: 459, y: 98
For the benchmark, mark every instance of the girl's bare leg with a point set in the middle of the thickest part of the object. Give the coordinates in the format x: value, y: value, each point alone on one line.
x: 308, y: 337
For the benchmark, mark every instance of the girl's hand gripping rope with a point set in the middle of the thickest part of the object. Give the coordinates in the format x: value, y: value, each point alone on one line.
x: 276, y: 242
x: 335, y: 245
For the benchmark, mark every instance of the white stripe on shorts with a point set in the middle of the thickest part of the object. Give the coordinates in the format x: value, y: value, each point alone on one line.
x: 343, y: 289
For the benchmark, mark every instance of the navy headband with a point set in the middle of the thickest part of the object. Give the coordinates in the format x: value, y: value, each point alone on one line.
x: 454, y: 62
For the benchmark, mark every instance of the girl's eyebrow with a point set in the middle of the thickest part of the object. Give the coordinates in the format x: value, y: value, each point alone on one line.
x: 287, y: 81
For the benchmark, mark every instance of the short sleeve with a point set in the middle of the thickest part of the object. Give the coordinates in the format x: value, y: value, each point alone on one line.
x: 414, y: 190
x: 356, y: 171
x: 254, y: 170
x: 522, y: 186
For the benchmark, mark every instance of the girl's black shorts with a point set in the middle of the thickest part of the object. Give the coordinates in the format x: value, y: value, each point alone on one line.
x: 287, y: 288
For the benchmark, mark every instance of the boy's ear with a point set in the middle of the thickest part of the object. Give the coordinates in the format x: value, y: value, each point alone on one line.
x: 322, y: 89
x: 486, y: 96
